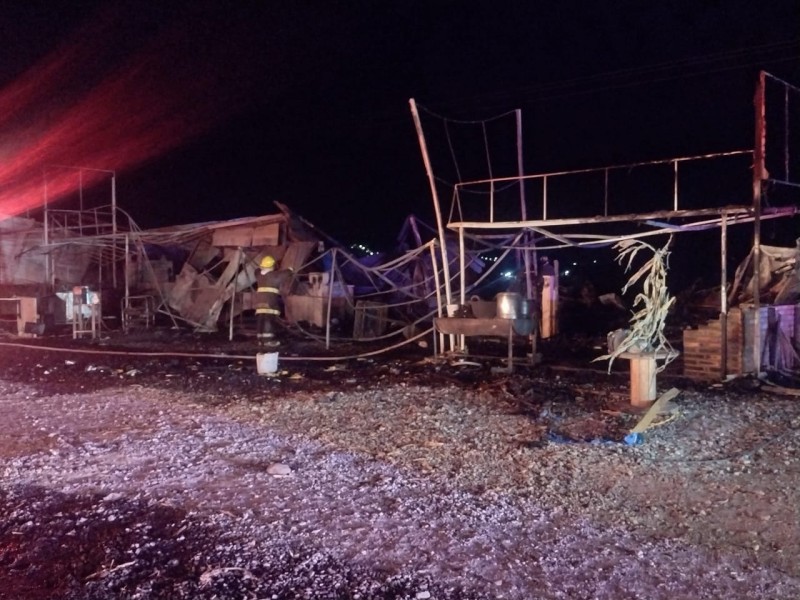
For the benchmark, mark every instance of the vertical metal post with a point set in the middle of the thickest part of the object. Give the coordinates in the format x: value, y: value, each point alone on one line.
x: 114, y: 230
x: 438, y: 294
x: 432, y: 182
x: 605, y: 192
x: 126, y: 299
x: 462, y: 263
x: 544, y: 198
x: 759, y: 151
x: 723, y: 299
x: 524, y: 209
x: 491, y: 175
x: 786, y: 133
x: 239, y: 257
x: 80, y: 192
x: 331, y: 281
x: 491, y: 202
x: 127, y: 267
x: 463, y: 284
x: 675, y: 186
x: 48, y: 259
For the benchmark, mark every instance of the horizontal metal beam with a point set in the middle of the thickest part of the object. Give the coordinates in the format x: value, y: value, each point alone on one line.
x: 662, y: 161
x: 657, y: 215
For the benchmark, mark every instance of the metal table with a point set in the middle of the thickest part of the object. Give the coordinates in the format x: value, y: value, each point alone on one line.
x: 488, y: 327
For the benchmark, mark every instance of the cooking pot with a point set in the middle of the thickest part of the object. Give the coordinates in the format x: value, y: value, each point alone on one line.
x: 508, y: 305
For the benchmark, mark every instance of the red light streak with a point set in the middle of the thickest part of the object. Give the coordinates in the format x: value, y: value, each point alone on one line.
x: 164, y: 94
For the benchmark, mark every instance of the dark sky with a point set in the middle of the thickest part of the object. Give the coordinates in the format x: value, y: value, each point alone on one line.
x: 307, y: 102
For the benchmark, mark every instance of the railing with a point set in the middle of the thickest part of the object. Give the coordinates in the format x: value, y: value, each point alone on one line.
x: 88, y: 222
x: 545, y: 178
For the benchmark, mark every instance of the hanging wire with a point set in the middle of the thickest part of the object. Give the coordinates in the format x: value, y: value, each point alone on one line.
x: 452, y: 150
x: 633, y: 77
x: 465, y: 122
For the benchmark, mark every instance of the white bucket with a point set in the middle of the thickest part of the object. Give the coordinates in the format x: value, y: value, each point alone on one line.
x: 267, y: 363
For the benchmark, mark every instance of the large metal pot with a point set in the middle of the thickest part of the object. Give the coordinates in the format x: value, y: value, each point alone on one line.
x: 508, y: 305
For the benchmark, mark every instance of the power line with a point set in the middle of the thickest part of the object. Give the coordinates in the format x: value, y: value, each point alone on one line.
x: 636, y: 76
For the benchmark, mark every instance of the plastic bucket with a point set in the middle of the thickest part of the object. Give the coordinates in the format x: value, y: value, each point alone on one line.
x: 267, y: 363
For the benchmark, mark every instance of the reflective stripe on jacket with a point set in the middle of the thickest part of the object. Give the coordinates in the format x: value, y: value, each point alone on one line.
x: 267, y: 300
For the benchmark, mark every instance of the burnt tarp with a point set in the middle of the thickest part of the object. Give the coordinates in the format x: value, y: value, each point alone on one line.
x: 779, y: 279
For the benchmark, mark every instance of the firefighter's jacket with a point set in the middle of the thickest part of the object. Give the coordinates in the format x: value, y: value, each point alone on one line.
x: 268, y: 290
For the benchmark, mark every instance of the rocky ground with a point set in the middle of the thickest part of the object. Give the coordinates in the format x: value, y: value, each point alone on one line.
x: 166, y: 475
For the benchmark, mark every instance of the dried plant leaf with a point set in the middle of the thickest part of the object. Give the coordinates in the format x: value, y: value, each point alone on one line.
x: 652, y: 303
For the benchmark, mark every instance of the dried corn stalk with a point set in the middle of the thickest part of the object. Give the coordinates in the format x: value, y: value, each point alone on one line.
x: 651, y: 305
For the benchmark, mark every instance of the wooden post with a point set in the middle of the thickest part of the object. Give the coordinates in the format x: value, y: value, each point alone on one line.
x: 643, y: 379
x: 549, y: 306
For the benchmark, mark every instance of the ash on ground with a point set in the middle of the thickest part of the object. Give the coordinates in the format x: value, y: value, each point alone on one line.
x: 129, y: 476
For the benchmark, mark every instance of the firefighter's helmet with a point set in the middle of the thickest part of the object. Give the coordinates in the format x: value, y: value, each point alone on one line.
x: 267, y: 262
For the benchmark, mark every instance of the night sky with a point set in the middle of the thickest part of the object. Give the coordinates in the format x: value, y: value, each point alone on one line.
x: 213, y: 110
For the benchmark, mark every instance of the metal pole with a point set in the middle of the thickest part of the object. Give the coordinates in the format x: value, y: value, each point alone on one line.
x: 544, y: 198
x: 462, y: 268
x: 524, y: 209
x: 114, y: 230
x: 491, y: 202
x: 758, y: 175
x: 438, y: 294
x: 675, y: 186
x: 127, y: 268
x: 491, y: 175
x: 723, y: 299
x: 605, y: 192
x: 48, y: 260
x: 331, y: 280
x: 786, y: 133
x: 462, y: 262
x: 239, y: 257
x: 432, y: 182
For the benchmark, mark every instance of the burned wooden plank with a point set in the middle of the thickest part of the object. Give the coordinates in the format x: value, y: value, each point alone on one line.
x: 658, y: 406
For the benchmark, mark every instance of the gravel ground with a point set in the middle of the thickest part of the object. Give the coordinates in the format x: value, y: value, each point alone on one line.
x: 149, y: 477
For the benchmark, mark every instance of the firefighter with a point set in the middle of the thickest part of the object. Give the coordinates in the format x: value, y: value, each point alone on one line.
x: 267, y: 302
